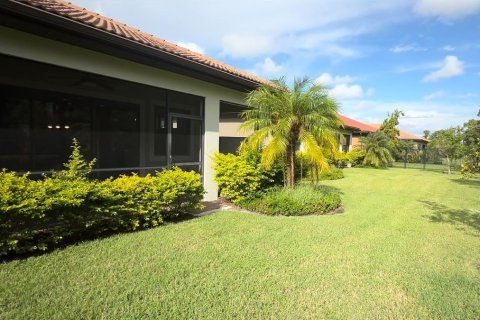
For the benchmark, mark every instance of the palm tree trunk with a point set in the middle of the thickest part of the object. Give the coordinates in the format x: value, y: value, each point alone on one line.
x: 301, y: 168
x: 290, y: 165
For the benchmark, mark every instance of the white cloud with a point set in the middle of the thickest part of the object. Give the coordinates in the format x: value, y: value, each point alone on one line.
x: 447, y: 10
x: 258, y: 29
x: 345, y: 91
x: 417, y: 121
x: 247, y: 46
x: 419, y: 115
x: 417, y: 67
x: 434, y: 95
x: 448, y: 48
x: 338, y: 51
x: 327, y: 79
x: 191, y: 46
x: 452, y: 67
x: 268, y: 68
x: 342, y: 88
x: 407, y: 48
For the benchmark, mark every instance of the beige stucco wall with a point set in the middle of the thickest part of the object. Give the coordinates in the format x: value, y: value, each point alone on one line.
x: 28, y: 46
x: 231, y: 129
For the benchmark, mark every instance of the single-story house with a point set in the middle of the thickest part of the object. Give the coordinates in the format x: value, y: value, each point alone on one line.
x: 135, y: 102
x: 420, y: 142
x: 354, y: 130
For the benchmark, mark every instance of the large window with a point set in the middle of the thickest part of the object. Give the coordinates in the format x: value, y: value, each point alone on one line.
x: 127, y: 127
x: 37, y: 129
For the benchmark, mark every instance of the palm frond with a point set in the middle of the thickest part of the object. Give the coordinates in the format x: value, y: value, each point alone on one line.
x: 313, y: 151
x: 274, y: 149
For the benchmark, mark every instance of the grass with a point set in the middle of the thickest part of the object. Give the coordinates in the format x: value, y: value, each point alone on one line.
x: 407, y: 247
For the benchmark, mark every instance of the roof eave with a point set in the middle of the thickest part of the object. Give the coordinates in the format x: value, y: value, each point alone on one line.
x: 205, y: 72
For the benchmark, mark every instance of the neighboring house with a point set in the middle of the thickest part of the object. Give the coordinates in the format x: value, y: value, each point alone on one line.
x: 352, y: 132
x: 135, y: 102
x: 420, y: 142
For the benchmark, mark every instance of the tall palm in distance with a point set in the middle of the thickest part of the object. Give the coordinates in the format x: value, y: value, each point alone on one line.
x: 283, y: 118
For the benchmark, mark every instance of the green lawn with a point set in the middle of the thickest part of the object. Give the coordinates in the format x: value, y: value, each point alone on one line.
x: 407, y: 247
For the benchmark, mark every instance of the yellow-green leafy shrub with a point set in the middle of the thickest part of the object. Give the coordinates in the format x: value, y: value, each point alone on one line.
x: 355, y: 156
x: 238, y: 176
x: 146, y: 201
x: 67, y: 206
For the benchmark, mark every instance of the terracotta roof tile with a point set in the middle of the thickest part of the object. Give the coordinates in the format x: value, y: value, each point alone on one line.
x: 404, y: 135
x: 348, y: 122
x: 95, y: 20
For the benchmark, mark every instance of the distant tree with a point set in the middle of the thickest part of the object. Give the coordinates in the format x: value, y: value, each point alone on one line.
x: 404, y: 149
x: 390, y: 128
x: 471, y: 147
x: 284, y: 118
x: 426, y: 134
x: 448, y: 143
x: 376, y: 147
x: 390, y: 124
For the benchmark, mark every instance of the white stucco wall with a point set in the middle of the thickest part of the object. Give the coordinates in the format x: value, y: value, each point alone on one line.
x: 28, y: 46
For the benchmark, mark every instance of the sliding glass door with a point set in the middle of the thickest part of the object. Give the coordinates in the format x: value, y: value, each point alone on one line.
x: 185, y: 142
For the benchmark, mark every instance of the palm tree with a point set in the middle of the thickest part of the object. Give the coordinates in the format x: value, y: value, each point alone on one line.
x: 284, y: 118
x: 376, y: 147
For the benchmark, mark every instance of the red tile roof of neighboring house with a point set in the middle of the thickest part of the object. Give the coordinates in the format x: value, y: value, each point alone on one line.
x: 404, y: 135
x: 78, y: 14
x: 348, y: 122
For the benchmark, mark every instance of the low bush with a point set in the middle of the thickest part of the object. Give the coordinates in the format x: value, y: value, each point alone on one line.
x: 332, y: 174
x: 143, y: 202
x: 355, y: 157
x: 67, y: 206
x: 298, y: 201
x: 238, y: 177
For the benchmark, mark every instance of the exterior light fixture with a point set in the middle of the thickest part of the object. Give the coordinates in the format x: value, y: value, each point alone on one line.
x: 67, y: 127
x: 57, y: 127
x: 50, y: 127
x: 174, y: 123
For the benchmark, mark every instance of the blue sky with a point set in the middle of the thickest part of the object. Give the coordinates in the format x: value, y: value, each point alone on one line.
x: 420, y: 56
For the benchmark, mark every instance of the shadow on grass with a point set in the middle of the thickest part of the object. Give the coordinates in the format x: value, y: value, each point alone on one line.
x: 85, y: 238
x: 429, y: 167
x: 321, y: 185
x: 459, y: 217
x: 473, y: 182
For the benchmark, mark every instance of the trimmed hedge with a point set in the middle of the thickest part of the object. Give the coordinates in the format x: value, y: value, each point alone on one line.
x: 298, y: 201
x: 67, y: 206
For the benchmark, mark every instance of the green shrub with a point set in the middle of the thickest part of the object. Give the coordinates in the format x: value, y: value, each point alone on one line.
x: 299, y: 201
x: 238, y: 176
x: 332, y: 174
x: 355, y: 156
x: 67, y: 206
x: 145, y: 201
